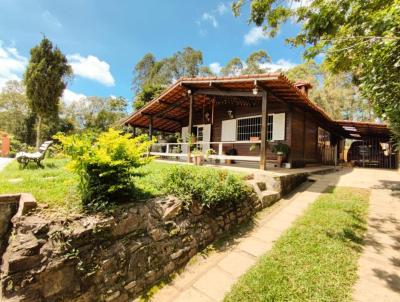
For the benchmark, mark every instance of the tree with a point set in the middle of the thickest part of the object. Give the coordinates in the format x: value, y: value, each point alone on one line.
x: 14, y: 109
x: 357, y: 36
x: 152, y: 76
x: 45, y: 79
x: 256, y: 62
x: 335, y: 93
x: 186, y: 63
x: 233, y: 67
x: 95, y: 113
x: 147, y: 93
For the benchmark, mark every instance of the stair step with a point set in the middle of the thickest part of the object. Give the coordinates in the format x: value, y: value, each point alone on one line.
x: 269, y: 197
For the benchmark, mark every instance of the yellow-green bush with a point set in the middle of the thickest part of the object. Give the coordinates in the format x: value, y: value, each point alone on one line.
x: 105, y: 164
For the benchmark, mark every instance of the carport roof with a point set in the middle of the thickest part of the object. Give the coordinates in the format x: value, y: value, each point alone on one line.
x: 358, y: 130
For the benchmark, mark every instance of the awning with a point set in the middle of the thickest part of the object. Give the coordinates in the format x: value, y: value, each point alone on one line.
x: 360, y: 130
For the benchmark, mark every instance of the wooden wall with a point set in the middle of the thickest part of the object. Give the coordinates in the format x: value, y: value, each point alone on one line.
x: 220, y: 114
x: 301, y: 130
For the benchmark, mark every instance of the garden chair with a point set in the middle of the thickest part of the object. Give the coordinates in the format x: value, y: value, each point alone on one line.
x: 24, y: 158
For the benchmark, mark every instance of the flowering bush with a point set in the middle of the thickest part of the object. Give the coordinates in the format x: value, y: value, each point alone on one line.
x: 105, y: 164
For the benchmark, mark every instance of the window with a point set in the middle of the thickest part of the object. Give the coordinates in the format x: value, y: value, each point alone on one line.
x: 250, y: 127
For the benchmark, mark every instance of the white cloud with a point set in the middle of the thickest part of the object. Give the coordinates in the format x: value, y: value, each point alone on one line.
x: 12, y: 64
x: 70, y: 97
x: 300, y: 3
x: 281, y: 64
x: 222, y: 8
x: 210, y: 18
x: 215, y: 67
x: 92, y: 68
x: 50, y: 19
x: 254, y: 36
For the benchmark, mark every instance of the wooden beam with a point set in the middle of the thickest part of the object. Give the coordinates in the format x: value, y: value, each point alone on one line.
x: 220, y: 92
x: 150, y: 127
x: 264, y: 125
x: 163, y: 118
x: 190, y: 122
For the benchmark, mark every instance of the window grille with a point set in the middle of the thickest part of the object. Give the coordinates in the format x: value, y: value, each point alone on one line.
x: 251, y: 127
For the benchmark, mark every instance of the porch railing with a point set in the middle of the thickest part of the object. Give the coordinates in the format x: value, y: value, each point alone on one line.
x: 180, y: 150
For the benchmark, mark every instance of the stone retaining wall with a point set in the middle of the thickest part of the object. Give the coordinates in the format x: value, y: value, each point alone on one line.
x: 110, y: 258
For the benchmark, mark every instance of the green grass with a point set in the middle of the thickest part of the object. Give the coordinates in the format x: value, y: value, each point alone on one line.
x: 54, y: 185
x: 316, y: 259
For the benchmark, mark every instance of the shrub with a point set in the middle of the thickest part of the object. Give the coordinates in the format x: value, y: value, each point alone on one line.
x: 208, y: 187
x: 105, y: 164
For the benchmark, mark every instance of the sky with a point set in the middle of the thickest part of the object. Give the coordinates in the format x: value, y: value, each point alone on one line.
x: 103, y: 40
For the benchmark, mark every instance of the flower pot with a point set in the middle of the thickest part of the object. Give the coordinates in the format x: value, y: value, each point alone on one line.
x: 280, y: 159
x: 198, y: 160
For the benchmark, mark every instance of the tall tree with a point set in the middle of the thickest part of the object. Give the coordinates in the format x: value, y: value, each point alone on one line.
x: 45, y: 79
x: 151, y: 76
x: 95, y: 113
x: 256, y: 62
x: 357, y: 36
x: 233, y: 67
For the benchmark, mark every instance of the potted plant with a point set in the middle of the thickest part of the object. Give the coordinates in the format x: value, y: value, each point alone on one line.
x: 198, y: 157
x: 209, y: 152
x: 191, y: 140
x: 282, y: 151
x: 231, y: 151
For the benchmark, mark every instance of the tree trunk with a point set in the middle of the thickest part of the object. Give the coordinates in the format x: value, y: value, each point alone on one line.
x: 39, y: 126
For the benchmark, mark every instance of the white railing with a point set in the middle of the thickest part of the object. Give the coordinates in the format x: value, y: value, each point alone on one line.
x: 175, y: 150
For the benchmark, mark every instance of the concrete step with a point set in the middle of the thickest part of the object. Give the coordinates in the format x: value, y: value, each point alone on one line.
x: 269, y: 197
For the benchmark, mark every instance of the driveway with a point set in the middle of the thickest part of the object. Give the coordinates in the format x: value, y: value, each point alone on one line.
x: 4, y: 162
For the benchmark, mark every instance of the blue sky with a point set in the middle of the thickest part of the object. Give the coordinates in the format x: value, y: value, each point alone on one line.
x: 103, y: 40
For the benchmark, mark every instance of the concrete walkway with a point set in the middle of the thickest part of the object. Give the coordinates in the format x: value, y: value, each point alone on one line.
x: 4, y: 162
x: 379, y: 264
x: 211, y: 278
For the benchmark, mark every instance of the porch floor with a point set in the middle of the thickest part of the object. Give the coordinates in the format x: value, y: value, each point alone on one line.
x: 252, y: 168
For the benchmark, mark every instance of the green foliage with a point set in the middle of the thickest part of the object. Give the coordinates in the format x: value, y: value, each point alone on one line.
x: 150, y: 75
x: 357, y: 36
x: 335, y: 93
x: 233, y: 67
x: 148, y: 93
x: 105, y: 164
x: 45, y: 79
x: 316, y: 259
x: 281, y: 148
x: 208, y: 187
x: 95, y: 113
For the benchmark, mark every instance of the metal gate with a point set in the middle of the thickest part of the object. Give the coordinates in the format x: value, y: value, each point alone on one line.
x: 373, y: 153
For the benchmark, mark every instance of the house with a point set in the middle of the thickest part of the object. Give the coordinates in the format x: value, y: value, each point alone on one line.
x: 241, y: 118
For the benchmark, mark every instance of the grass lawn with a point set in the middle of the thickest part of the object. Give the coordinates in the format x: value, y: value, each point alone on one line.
x: 316, y: 259
x: 56, y: 186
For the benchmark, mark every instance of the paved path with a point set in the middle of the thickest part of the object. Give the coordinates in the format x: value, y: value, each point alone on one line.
x: 379, y: 264
x: 211, y: 278
x: 4, y: 162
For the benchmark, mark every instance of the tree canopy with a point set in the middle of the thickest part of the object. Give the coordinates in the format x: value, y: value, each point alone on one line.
x: 45, y: 79
x: 359, y: 37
